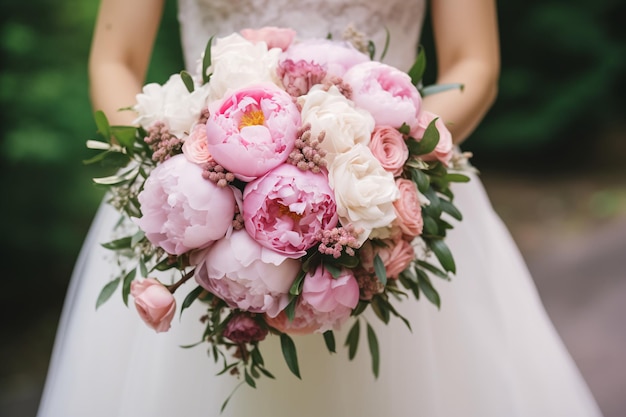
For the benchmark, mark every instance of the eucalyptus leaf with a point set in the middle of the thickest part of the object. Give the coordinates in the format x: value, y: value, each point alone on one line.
x: 420, y: 179
x: 430, y: 226
x: 123, y: 243
x: 380, y: 309
x: 443, y: 254
x: 379, y: 268
x: 440, y: 88
x: 419, y: 66
x: 190, y: 298
x: 289, y: 353
x: 429, y: 291
x: 329, y: 339
x: 456, y: 177
x: 128, y: 280
x: 102, y: 123
x: 266, y: 372
x: 373, y: 345
x: 434, y: 270
x: 107, y: 292
x: 249, y: 380
x: 187, y: 80
x: 352, y: 340
x: 448, y: 207
x: 257, y: 358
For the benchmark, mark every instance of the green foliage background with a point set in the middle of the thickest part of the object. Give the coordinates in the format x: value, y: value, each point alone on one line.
x: 561, y: 93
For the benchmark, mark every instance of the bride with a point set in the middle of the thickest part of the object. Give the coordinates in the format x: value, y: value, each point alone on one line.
x: 490, y: 351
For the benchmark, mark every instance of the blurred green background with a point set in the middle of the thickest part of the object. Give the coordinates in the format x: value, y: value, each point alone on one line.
x: 560, y: 113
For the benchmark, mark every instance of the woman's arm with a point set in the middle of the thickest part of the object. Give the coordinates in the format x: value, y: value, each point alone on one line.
x: 467, y: 48
x: 120, y: 52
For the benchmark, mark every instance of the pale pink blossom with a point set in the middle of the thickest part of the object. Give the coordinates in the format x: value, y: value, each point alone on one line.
x: 389, y: 147
x: 298, y: 77
x: 274, y: 37
x: 247, y: 275
x: 386, y: 92
x: 396, y: 254
x: 181, y: 210
x: 253, y: 130
x: 286, y: 208
x: 154, y: 303
x: 444, y: 149
x: 408, y: 208
x: 195, y: 147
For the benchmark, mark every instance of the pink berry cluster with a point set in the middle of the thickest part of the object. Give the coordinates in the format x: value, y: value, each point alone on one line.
x: 162, y: 142
x: 216, y: 173
x: 238, y: 222
x: 338, y: 239
x: 307, y: 154
x: 369, y: 284
x: 344, y: 88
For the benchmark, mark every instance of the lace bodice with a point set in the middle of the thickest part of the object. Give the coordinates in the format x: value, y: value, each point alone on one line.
x: 200, y: 19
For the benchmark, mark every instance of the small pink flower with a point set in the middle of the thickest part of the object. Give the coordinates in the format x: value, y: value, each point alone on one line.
x: 274, y: 37
x: 408, y: 208
x: 326, y: 303
x: 386, y: 92
x: 155, y: 304
x: 246, y: 275
x: 396, y: 254
x: 253, y: 130
x: 286, y: 208
x: 244, y: 329
x: 444, y: 149
x: 181, y: 210
x: 298, y: 77
x: 195, y: 147
x: 389, y: 147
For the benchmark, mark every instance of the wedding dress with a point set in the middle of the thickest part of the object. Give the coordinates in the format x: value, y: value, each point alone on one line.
x: 490, y: 351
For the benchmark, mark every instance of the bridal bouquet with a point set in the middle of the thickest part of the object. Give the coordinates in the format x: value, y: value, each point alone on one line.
x: 299, y: 182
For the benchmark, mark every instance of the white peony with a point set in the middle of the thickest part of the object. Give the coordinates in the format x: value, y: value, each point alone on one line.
x: 237, y: 62
x: 172, y: 104
x: 364, y: 190
x: 343, y: 124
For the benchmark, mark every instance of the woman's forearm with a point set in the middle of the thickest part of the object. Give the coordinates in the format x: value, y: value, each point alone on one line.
x: 114, y: 87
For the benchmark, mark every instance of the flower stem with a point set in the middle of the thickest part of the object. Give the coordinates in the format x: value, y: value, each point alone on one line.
x: 172, y: 288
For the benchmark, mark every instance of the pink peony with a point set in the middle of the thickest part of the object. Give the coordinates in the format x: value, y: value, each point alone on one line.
x: 253, y: 130
x: 389, y: 147
x: 274, y: 37
x: 396, y: 254
x: 386, y: 92
x: 326, y: 294
x: 443, y: 150
x: 286, y: 208
x: 155, y: 304
x: 246, y: 275
x: 298, y: 77
x: 244, y: 329
x: 195, y: 147
x: 332, y: 56
x: 408, y: 208
x: 182, y: 211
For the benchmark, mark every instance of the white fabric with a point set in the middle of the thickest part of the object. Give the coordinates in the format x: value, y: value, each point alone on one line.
x: 490, y: 351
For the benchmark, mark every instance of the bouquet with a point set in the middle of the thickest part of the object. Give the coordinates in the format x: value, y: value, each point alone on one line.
x: 297, y: 181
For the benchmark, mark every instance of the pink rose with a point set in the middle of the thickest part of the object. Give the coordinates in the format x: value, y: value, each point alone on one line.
x: 253, y: 130
x: 195, y: 147
x: 298, y: 77
x: 244, y: 329
x: 443, y: 150
x: 396, y: 254
x: 155, y: 304
x: 246, y: 275
x: 408, y: 208
x: 389, y: 147
x: 285, y: 209
x: 386, y: 92
x: 274, y: 37
x: 326, y: 303
x: 181, y: 210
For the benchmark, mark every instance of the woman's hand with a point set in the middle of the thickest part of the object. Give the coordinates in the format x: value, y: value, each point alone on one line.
x: 467, y: 48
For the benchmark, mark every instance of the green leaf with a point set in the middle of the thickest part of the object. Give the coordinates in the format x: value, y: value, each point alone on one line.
x: 266, y: 372
x: 128, y: 279
x: 289, y: 353
x: 371, y: 49
x: 430, y: 226
x: 428, y: 289
x: 143, y: 269
x: 440, y: 88
x: 404, y: 129
x: 110, y: 158
x: 347, y: 261
x: 191, y: 297
x: 443, y: 254
x: 373, y: 344
x: 137, y: 237
x: 249, y: 380
x: 187, y: 80
x: 434, y: 270
x: 290, y: 310
x: 380, y: 309
x: 107, y: 292
x: 225, y: 403
x: 125, y: 135
x: 123, y: 243
x: 456, y: 177
x: 257, y: 358
x: 352, y: 340
x: 419, y: 66
x: 420, y: 179
x: 102, y: 123
x: 379, y: 268
x: 329, y: 339
x: 430, y: 139
x: 296, y: 287
x: 448, y: 207
x: 386, y: 47
x: 334, y: 270
x: 206, y: 61
x: 434, y: 206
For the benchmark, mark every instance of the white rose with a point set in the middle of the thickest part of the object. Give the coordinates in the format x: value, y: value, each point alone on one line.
x: 364, y: 190
x: 172, y: 104
x: 343, y: 124
x: 237, y: 62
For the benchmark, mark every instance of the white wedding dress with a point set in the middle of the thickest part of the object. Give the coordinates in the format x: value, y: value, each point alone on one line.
x: 491, y: 351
